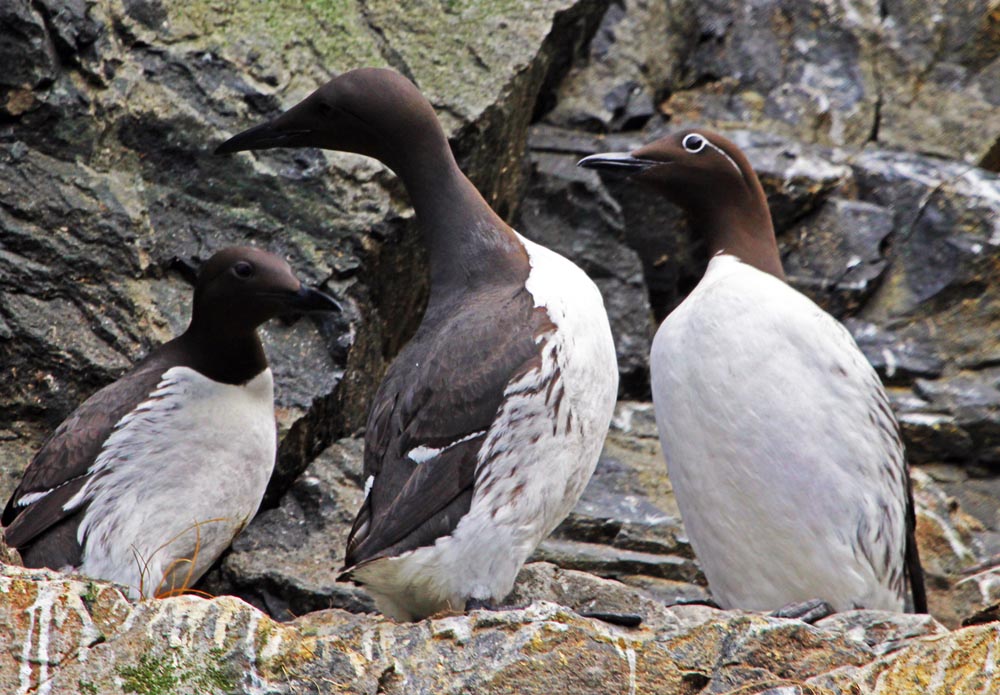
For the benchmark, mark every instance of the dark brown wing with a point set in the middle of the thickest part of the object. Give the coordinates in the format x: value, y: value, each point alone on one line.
x: 61, y: 468
x: 435, y: 405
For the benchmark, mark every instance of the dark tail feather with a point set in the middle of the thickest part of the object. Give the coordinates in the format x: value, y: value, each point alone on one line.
x: 914, y: 571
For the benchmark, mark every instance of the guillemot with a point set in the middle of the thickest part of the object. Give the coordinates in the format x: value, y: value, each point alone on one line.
x: 147, y: 482
x: 782, y: 448
x: 489, y: 422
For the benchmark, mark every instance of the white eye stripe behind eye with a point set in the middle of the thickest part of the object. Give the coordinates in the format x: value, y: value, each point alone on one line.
x: 724, y: 154
x: 695, y: 143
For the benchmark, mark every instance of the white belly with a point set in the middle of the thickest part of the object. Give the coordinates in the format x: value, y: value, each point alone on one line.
x: 786, y: 474
x: 538, y: 463
x: 179, y: 478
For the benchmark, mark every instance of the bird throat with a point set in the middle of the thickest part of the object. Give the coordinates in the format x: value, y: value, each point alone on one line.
x: 744, y: 231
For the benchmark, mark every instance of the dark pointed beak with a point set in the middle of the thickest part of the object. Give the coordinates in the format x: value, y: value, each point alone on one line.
x: 265, y: 136
x: 619, y: 162
x: 309, y: 300
x: 286, y: 130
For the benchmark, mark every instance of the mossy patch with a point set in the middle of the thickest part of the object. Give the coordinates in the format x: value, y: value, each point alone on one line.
x: 91, y: 594
x: 333, y: 31
x: 162, y: 676
x: 151, y: 676
x: 291, y: 658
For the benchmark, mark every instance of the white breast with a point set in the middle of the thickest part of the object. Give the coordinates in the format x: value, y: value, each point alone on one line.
x: 178, y: 478
x: 780, y: 445
x: 538, y: 455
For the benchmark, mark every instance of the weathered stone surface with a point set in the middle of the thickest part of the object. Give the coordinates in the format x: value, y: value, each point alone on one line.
x: 963, y: 661
x: 74, y: 636
x: 882, y: 631
x: 838, y: 73
x: 835, y: 256
x: 943, y: 251
x: 617, y: 86
x: 949, y: 542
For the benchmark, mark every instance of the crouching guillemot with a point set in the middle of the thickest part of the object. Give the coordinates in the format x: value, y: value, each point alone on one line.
x: 780, y: 442
x: 147, y: 482
x: 490, y: 421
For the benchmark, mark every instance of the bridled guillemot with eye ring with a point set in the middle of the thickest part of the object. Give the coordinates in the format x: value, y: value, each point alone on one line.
x: 490, y: 421
x: 781, y: 446
x: 147, y: 482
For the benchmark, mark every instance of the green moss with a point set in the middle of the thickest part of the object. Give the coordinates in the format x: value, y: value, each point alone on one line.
x: 218, y: 674
x: 265, y: 629
x: 332, y: 31
x: 152, y: 676
x: 160, y: 676
x: 90, y: 595
x: 86, y: 688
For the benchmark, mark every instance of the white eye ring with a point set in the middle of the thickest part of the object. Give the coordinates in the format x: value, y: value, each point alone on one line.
x: 694, y: 143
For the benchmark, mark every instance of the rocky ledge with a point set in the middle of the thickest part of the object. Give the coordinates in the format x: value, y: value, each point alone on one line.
x: 68, y: 635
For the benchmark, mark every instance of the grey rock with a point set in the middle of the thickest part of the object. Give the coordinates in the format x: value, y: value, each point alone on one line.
x: 897, y: 359
x: 801, y: 69
x: 937, y: 75
x: 834, y: 74
x: 617, y: 86
x: 946, y: 227
x: 582, y: 592
x: 608, y: 561
x: 973, y: 400
x: 835, y: 256
x: 28, y: 54
x: 882, y: 632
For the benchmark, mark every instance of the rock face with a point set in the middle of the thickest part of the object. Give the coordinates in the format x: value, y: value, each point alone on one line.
x: 865, y: 122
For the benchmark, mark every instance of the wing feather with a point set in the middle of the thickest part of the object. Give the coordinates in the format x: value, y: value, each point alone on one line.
x: 63, y: 466
x: 441, y: 395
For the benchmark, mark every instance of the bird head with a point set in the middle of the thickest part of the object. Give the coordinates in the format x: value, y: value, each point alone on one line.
x: 369, y: 111
x: 693, y: 168
x: 242, y: 287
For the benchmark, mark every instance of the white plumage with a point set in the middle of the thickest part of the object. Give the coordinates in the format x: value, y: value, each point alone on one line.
x: 149, y: 526
x: 539, y: 459
x: 781, y: 447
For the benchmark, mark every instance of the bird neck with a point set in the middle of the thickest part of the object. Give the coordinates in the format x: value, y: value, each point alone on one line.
x: 467, y: 242
x: 742, y: 229
x: 221, y: 352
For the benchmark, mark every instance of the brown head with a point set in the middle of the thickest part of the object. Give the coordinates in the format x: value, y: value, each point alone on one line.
x: 369, y: 111
x: 241, y: 287
x: 712, y: 180
x: 379, y: 113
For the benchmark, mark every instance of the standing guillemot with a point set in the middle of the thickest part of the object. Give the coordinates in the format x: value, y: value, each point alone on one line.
x: 147, y: 482
x: 781, y: 445
x: 490, y: 421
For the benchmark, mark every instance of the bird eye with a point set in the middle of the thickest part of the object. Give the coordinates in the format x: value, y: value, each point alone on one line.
x: 694, y: 143
x: 243, y: 270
